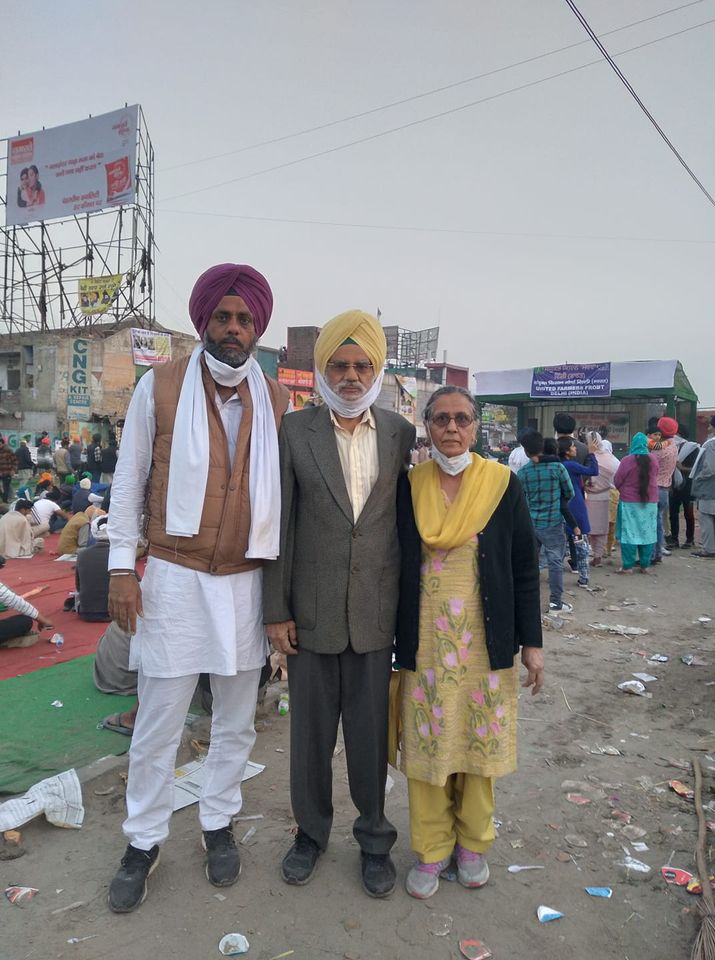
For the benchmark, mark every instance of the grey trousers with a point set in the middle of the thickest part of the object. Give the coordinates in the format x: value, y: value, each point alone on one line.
x: 324, y: 686
x: 707, y: 532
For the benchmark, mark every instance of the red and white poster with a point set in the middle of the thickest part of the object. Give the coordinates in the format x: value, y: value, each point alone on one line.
x: 74, y: 169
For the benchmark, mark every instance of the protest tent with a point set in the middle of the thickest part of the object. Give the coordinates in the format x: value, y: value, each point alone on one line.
x: 621, y: 396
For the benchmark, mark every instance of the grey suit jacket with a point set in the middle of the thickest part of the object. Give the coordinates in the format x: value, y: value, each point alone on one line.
x: 337, y: 580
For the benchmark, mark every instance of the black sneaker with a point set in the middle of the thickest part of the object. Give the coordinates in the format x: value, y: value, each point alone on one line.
x: 127, y: 890
x: 299, y: 863
x: 378, y: 874
x: 223, y: 863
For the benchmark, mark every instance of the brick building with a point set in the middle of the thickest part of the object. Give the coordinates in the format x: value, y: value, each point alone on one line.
x: 75, y: 381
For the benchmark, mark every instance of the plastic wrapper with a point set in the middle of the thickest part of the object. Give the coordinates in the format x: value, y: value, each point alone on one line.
x: 20, y: 895
x: 633, y: 870
x: 474, y: 950
x: 680, y: 788
x: 546, y: 914
x: 233, y: 944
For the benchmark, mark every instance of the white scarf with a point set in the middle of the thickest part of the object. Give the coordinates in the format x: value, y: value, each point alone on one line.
x: 348, y: 408
x: 189, y: 463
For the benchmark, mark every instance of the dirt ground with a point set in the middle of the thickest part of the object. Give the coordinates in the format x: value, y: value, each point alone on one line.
x: 581, y: 709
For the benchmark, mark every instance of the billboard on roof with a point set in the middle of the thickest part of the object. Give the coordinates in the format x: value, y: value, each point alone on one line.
x: 73, y: 169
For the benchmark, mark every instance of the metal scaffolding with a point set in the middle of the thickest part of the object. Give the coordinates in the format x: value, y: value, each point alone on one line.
x: 42, y: 262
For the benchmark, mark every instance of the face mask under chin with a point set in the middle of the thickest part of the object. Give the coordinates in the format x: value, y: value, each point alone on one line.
x: 452, y: 466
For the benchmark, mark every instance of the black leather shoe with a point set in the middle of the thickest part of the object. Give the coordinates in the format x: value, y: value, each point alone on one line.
x: 378, y: 874
x: 299, y: 863
x: 127, y: 890
x: 223, y: 863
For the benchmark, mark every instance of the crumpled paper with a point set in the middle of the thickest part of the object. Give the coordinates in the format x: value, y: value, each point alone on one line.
x: 59, y: 798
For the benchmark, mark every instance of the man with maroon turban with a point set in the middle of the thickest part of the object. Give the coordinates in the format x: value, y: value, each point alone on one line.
x: 199, y: 457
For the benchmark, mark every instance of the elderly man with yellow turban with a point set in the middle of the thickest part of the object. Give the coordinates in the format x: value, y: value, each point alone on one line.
x: 199, y: 459
x: 330, y: 599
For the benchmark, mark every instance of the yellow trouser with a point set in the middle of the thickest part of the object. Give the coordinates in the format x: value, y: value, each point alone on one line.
x: 459, y: 812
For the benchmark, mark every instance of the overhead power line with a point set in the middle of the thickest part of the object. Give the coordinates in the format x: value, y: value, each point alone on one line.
x: 428, y: 119
x: 619, y: 73
x: 427, y: 93
x: 406, y: 228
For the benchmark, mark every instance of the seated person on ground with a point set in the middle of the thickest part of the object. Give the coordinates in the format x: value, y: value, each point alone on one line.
x: 92, y: 574
x: 16, y: 535
x: 67, y: 492
x: 71, y: 535
x: 16, y: 631
x: 112, y: 675
x: 80, y: 498
x: 47, y: 516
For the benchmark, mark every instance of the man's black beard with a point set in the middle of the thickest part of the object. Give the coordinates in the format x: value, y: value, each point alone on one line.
x: 232, y: 358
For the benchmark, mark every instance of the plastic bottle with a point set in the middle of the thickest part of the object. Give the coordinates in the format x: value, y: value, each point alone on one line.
x: 284, y: 705
x: 58, y: 640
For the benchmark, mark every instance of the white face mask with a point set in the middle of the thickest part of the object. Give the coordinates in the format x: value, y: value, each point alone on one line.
x: 224, y: 374
x: 348, y: 408
x: 451, y: 465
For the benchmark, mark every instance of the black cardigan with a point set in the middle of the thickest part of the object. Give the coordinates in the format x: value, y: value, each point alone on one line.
x: 508, y: 572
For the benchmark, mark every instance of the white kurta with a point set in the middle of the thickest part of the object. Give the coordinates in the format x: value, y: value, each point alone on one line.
x: 193, y: 622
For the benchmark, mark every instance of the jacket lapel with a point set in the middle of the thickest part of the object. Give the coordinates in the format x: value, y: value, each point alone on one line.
x: 325, y: 451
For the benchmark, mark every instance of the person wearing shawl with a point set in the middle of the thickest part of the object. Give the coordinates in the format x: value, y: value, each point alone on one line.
x: 330, y: 600
x: 200, y: 450
x: 598, y: 496
x: 17, y: 538
x: 636, y: 480
x: 475, y: 581
x: 703, y: 489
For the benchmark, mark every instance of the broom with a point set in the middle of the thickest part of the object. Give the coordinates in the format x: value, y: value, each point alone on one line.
x: 704, y: 946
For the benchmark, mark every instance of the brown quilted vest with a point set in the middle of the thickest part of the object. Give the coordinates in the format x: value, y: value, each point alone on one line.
x: 221, y: 543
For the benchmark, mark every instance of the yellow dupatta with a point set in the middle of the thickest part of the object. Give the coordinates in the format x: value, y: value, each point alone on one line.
x: 444, y: 526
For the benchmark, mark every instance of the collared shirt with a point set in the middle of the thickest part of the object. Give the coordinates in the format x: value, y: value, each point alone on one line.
x: 544, y: 484
x: 193, y: 622
x: 231, y: 413
x: 358, y: 458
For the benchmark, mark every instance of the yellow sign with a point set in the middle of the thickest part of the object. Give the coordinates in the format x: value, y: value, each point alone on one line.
x: 97, y: 293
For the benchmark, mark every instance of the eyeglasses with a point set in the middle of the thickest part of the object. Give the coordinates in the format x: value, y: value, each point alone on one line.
x: 461, y: 420
x: 342, y: 366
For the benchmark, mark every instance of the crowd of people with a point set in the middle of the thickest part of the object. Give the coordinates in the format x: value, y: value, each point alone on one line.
x: 51, y: 498
x: 583, y: 499
x: 399, y: 579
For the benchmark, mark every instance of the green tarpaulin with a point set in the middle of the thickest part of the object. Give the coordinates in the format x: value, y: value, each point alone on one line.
x: 40, y: 740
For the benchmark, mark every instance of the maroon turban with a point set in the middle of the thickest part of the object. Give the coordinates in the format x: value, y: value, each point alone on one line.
x: 216, y: 282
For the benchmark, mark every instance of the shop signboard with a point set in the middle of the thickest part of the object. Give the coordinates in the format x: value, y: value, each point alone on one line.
x: 78, y: 393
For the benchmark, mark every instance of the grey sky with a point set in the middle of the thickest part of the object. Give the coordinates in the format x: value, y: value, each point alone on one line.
x: 583, y: 239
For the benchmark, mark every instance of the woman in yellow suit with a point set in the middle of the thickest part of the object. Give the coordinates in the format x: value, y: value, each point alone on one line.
x: 478, y: 582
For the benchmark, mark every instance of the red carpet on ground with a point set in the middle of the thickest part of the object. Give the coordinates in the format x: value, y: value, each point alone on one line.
x: 81, y: 637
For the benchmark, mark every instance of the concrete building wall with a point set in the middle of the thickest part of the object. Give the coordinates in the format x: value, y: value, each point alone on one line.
x: 41, y: 402
x: 392, y: 398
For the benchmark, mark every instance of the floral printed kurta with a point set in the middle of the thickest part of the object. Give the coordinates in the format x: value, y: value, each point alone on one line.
x: 458, y: 715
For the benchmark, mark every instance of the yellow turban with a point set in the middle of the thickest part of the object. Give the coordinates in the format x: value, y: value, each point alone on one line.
x: 362, y: 328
